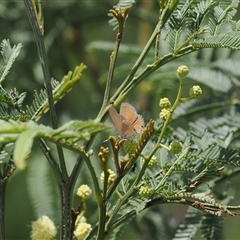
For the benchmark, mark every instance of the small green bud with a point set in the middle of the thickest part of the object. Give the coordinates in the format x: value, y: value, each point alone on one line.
x: 146, y: 191
x: 195, y: 92
x: 130, y: 146
x: 175, y: 147
x: 182, y: 71
x: 153, y: 162
x: 164, y: 103
x: 164, y: 114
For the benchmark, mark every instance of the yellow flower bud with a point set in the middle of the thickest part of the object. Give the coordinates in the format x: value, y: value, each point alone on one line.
x: 153, y: 162
x: 146, y: 191
x: 82, y: 230
x: 111, y: 178
x: 43, y: 228
x: 195, y: 92
x: 164, y: 114
x: 183, y: 71
x: 84, y: 191
x: 165, y: 103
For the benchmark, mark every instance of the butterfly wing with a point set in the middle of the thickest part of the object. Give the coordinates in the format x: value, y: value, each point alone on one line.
x: 117, y: 119
x: 131, y: 116
x: 128, y: 112
x: 139, y: 124
x: 127, y: 129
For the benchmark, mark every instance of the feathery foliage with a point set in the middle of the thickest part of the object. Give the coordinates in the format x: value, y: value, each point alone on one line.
x: 9, y: 55
x: 180, y: 157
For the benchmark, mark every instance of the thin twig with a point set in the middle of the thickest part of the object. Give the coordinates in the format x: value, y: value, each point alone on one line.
x: 36, y: 23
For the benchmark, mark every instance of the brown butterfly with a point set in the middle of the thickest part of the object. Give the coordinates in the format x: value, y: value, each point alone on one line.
x: 128, y: 122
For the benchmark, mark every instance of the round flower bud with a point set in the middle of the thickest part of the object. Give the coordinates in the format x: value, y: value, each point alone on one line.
x: 84, y: 191
x: 182, y: 71
x: 146, y: 191
x: 111, y: 178
x: 82, y: 230
x: 153, y: 161
x: 164, y: 114
x: 130, y: 146
x: 43, y: 228
x: 195, y: 92
x: 164, y: 103
x: 175, y: 147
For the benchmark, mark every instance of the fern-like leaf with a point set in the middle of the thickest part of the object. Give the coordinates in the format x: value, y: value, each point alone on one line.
x: 229, y: 40
x: 195, y: 20
x: 174, y: 38
x: 117, y: 232
x: 188, y: 229
x: 24, y: 134
x: 40, y: 103
x: 9, y: 55
x: 214, y: 79
x: 211, y: 227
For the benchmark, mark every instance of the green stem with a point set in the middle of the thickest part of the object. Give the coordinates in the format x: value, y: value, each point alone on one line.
x: 47, y: 152
x: 158, y: 144
x: 102, y: 115
x: 113, y: 59
x: 171, y: 169
x: 152, y: 68
x: 2, y: 209
x: 118, y: 206
x: 74, y: 174
x: 137, y: 63
x: 38, y: 34
x: 65, y: 230
x: 184, y: 44
x: 77, y: 167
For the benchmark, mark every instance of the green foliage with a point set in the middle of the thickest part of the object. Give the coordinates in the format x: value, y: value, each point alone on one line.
x: 24, y: 134
x: 206, y: 127
x: 9, y: 55
x: 189, y: 228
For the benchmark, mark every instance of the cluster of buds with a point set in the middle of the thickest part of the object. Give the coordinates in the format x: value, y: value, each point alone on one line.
x: 195, y: 92
x: 146, y: 191
x: 82, y: 228
x: 165, y: 104
x: 152, y: 162
x: 111, y: 177
x: 164, y: 114
x: 182, y: 71
x: 84, y: 191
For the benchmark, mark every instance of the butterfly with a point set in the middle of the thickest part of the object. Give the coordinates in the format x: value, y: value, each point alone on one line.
x: 127, y: 122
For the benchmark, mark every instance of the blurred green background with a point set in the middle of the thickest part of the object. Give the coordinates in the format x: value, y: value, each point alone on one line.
x: 74, y: 33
